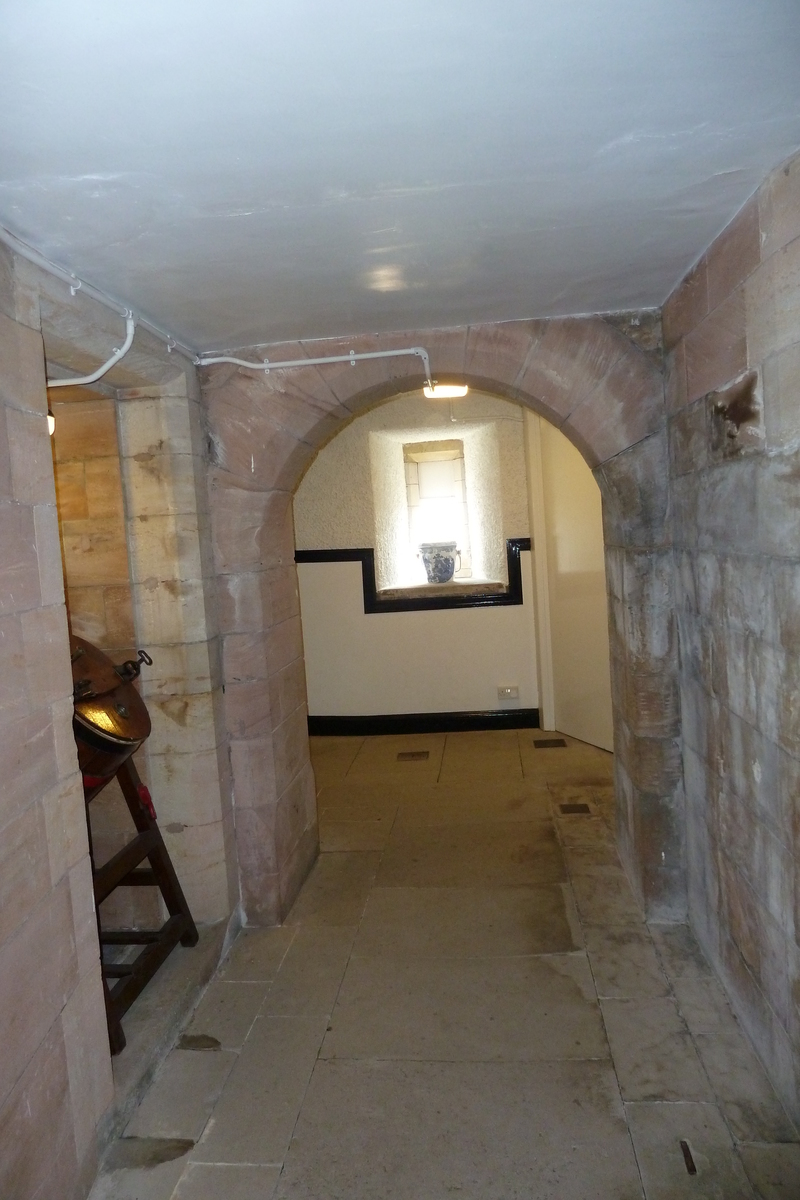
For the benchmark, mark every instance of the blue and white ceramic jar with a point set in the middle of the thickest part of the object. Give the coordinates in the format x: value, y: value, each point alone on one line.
x: 439, y: 559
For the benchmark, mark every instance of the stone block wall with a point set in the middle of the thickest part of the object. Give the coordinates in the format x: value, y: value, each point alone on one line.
x: 133, y: 493
x: 132, y: 499
x: 271, y: 782
x: 163, y: 456
x: 643, y: 644
x: 732, y: 331
x: 55, y: 1071
x: 701, y: 516
x: 587, y: 377
x: 91, y: 521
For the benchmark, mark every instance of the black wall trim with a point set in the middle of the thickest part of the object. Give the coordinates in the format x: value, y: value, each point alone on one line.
x: 373, y: 603
x: 442, y: 722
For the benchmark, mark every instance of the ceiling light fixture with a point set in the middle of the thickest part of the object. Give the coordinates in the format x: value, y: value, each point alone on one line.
x: 445, y: 391
x: 51, y: 422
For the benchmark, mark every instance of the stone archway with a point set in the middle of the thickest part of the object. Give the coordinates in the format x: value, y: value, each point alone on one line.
x: 607, y: 396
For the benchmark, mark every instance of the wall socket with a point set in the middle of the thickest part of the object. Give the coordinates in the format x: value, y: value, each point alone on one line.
x: 508, y: 693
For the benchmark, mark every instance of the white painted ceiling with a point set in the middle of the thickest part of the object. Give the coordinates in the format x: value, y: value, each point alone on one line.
x: 256, y: 170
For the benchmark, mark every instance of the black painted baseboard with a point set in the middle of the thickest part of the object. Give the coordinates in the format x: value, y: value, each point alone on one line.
x: 441, y: 722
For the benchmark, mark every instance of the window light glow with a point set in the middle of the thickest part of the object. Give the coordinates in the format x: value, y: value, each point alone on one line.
x: 437, y: 506
x: 445, y: 391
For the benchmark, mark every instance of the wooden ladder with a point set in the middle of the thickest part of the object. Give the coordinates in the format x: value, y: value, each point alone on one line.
x: 124, y: 981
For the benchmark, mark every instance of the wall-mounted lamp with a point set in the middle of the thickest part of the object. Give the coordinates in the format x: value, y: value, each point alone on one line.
x: 51, y: 422
x: 445, y: 391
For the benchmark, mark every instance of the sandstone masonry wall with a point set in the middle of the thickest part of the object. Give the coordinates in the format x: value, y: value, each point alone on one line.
x: 185, y: 760
x: 607, y: 396
x: 91, y: 518
x: 55, y: 1074
x: 732, y: 331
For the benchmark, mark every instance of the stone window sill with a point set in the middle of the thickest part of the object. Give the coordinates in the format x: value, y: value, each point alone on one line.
x: 454, y: 588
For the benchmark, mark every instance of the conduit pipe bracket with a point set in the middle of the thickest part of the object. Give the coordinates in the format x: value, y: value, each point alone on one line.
x: 75, y: 285
x: 130, y: 329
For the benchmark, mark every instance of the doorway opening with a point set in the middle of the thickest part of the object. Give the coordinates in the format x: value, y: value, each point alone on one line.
x: 498, y: 474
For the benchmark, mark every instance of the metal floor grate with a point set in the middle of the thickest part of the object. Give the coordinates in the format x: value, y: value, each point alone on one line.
x: 413, y: 755
x: 575, y: 809
x: 548, y: 743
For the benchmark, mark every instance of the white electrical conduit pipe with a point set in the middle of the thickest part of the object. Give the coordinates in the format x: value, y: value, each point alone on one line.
x: 130, y: 328
x: 76, y: 285
x: 352, y: 358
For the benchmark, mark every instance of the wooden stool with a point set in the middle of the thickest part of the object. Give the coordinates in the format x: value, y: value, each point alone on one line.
x: 123, y: 982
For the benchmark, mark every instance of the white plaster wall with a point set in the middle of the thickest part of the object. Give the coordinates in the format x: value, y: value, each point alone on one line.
x: 513, y: 473
x: 334, y: 506
x: 483, y: 473
x: 577, y: 589
x: 389, y: 535
x: 447, y: 661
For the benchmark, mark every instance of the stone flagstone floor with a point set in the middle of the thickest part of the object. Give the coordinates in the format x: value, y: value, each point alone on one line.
x: 464, y: 1002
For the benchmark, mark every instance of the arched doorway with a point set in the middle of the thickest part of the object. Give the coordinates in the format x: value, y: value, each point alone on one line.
x: 607, y: 396
x: 385, y: 649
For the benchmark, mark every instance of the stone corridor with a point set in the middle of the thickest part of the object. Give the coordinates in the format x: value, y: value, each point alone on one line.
x: 464, y: 1002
